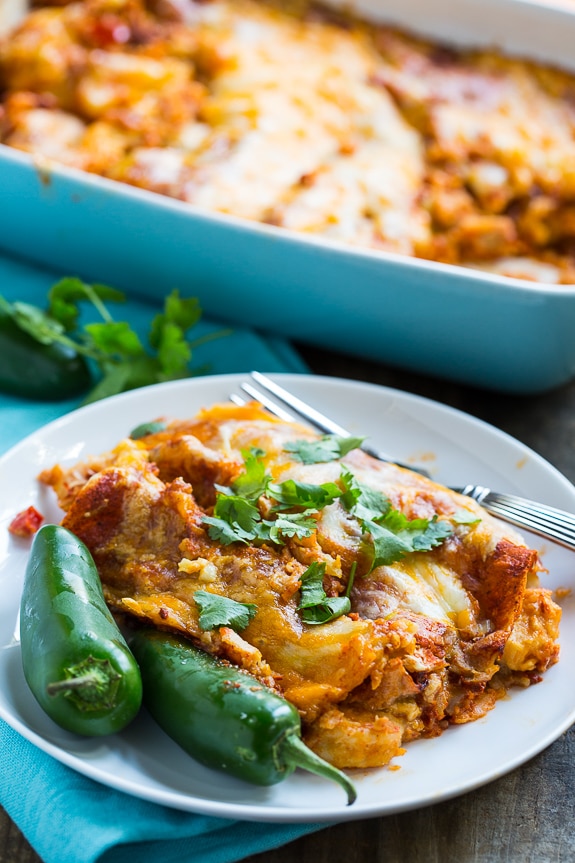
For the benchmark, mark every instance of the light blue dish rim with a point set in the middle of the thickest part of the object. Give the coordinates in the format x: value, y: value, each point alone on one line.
x: 46, y: 168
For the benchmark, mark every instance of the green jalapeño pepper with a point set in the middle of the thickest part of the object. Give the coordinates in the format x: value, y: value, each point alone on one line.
x: 31, y: 369
x: 75, y: 659
x: 223, y: 717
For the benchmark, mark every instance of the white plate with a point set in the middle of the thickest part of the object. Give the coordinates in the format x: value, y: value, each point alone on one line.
x: 142, y: 761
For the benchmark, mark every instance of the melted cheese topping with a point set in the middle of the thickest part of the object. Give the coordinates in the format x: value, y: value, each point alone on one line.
x: 307, y: 120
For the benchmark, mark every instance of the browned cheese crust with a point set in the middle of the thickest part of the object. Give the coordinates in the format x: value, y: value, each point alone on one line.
x: 299, y: 117
x: 435, y: 638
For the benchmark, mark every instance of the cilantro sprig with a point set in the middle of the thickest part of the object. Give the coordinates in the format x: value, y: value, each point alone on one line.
x: 292, y: 493
x: 391, y: 534
x: 237, y: 517
x: 115, y: 351
x: 252, y: 483
x: 388, y: 534
x: 394, y: 536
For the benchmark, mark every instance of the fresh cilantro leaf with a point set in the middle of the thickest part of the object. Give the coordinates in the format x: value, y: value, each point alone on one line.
x: 185, y: 312
x: 464, y: 516
x: 388, y: 547
x: 216, y: 610
x: 226, y: 532
x: 168, y: 335
x: 114, y: 349
x: 326, y: 448
x: 238, y: 519
x: 312, y: 591
x: 399, y: 523
x: 347, y: 444
x: 433, y: 535
x: 332, y: 608
x: 351, y: 490
x: 392, y: 535
x: 315, y: 605
x: 223, y: 489
x: 395, y: 536
x: 361, y: 500
x: 124, y: 361
x: 64, y: 298
x: 235, y: 519
x: 121, y: 375
x: 182, y: 313
x: 291, y: 493
x: 299, y: 524
x: 115, y: 338
x: 173, y: 352
x: 252, y: 483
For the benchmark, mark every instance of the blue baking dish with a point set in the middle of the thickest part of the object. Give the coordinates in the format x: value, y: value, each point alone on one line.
x: 457, y: 323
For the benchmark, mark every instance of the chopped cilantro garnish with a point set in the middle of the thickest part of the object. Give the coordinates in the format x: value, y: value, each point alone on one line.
x: 235, y: 519
x: 292, y: 493
x: 252, y: 483
x: 395, y: 536
x: 327, y: 448
x: 236, y: 516
x: 299, y: 524
x: 391, y: 534
x: 216, y: 610
x: 433, y: 535
x: 361, y: 500
x: 315, y: 605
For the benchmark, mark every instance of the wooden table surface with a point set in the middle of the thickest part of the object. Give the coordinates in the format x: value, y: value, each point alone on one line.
x: 527, y: 816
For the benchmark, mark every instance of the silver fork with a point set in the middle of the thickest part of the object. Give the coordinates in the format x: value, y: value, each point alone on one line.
x: 549, y: 522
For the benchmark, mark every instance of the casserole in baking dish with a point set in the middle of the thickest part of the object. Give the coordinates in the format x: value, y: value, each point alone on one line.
x: 378, y: 147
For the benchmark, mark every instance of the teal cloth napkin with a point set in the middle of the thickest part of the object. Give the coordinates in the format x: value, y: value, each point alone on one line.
x: 65, y: 816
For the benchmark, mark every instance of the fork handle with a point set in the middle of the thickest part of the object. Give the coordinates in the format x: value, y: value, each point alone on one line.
x: 558, y: 525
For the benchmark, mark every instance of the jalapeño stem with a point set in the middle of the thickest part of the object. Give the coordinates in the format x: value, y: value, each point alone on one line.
x: 295, y: 753
x: 92, y: 684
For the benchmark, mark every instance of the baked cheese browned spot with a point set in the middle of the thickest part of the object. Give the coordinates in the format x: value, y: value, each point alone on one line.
x: 307, y: 119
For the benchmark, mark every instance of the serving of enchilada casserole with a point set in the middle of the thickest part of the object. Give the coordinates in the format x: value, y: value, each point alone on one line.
x: 307, y: 119
x: 384, y: 606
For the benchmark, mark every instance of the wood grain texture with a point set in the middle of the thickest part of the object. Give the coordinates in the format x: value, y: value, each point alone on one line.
x: 13, y: 846
x: 527, y: 816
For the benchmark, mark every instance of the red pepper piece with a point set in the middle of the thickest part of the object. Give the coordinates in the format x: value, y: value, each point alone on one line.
x: 26, y: 523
